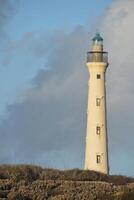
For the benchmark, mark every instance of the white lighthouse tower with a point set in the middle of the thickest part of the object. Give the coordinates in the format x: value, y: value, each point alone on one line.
x: 96, y: 155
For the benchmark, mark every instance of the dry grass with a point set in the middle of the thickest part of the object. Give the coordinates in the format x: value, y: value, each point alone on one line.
x: 32, y: 173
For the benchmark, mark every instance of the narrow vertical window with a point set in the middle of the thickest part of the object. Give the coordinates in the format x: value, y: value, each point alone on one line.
x: 98, y: 130
x: 98, y: 76
x: 98, y: 101
x: 98, y: 159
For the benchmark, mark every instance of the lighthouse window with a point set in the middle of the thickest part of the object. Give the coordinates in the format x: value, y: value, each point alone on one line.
x: 98, y: 76
x: 98, y: 130
x: 98, y: 159
x: 98, y: 101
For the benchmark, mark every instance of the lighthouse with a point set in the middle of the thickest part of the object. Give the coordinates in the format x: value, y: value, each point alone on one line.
x: 96, y: 154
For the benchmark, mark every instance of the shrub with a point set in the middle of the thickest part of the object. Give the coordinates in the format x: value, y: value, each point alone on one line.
x: 128, y: 196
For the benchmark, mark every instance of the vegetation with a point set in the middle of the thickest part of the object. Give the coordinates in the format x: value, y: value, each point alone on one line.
x: 26, y: 182
x: 31, y: 173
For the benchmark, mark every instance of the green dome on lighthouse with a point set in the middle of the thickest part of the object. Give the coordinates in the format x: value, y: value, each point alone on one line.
x: 98, y: 37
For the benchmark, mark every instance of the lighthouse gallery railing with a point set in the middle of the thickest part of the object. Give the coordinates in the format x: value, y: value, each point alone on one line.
x: 97, y: 56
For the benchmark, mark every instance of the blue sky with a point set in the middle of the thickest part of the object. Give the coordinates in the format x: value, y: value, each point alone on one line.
x: 43, y: 80
x: 33, y: 15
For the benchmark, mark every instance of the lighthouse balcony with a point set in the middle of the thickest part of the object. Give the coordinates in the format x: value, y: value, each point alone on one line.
x: 97, y: 56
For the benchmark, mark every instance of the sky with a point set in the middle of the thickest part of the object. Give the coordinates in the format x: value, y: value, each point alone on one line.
x: 43, y: 80
x: 25, y: 18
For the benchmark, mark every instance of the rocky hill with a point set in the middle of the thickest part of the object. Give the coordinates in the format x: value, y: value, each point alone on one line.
x: 25, y: 182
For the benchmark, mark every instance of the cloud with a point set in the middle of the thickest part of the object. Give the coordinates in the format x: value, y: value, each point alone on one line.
x: 6, y: 12
x: 46, y: 120
x: 118, y: 31
x: 48, y: 124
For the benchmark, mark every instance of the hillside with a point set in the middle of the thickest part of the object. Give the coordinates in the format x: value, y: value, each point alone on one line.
x: 25, y: 182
